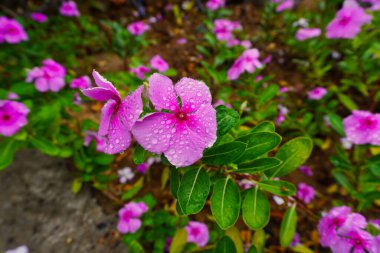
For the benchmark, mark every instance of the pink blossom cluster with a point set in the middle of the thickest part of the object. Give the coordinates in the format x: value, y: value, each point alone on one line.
x: 100, y: 141
x: 69, y: 9
x: 282, y: 112
x: 49, y: 77
x: 307, y: 33
x: 317, y: 93
x: 362, y: 127
x: 138, y: 28
x: 130, y: 217
x: 283, y: 5
x: 305, y: 192
x: 224, y: 28
x: 39, y: 17
x: 248, y: 62
x: 344, y: 231
x: 156, y: 62
x: 11, y: 31
x: 82, y: 82
x: 181, y: 132
x: 197, y: 232
x: 13, y: 116
x: 215, y: 4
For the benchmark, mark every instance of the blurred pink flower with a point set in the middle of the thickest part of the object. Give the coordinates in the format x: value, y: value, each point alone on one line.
x: 129, y: 217
x: 223, y: 29
x: 181, y: 41
x: 13, y: 116
x: 140, y: 71
x: 221, y: 102
x: 12, y: 96
x: 307, y: 33
x: 284, y: 5
x: 248, y: 61
x: 69, y: 9
x: 49, y: 77
x: 317, y: 93
x: 246, y: 44
x: 158, y: 63
x: 362, y: 127
x: 347, y: 23
x: 215, y: 4
x: 99, y: 140
x: 305, y: 192
x: 306, y: 170
x: 11, y: 31
x: 197, y: 233
x: 138, y: 28
x: 39, y: 17
x: 82, y: 82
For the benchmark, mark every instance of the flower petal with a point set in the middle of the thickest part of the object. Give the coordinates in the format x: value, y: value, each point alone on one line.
x: 42, y: 84
x: 118, y: 138
x: 154, y: 131
x: 193, y: 94
x: 107, y: 111
x: 104, y: 83
x: 161, y: 93
x: 100, y: 94
x: 131, y: 108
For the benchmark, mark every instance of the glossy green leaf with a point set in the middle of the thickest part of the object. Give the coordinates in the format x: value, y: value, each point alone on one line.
x: 288, y: 227
x: 256, y: 209
x: 347, y: 102
x: 224, y: 154
x: 337, y: 123
x: 179, y: 241
x: 225, y: 245
x: 193, y: 190
x: 258, y: 144
x: 269, y: 93
x: 139, y: 155
x: 135, y: 247
x: 226, y: 119
x: 44, y: 145
x: 292, y: 154
x: 278, y: 187
x: 174, y: 181
x: 265, y: 126
x: 225, y: 202
x: 258, y: 165
x: 234, y: 234
x: 8, y: 149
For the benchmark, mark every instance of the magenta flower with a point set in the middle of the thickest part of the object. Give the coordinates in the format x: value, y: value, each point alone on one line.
x: 118, y: 116
x: 285, y: 5
x: 282, y: 112
x: 156, y: 62
x: 305, y: 192
x: 296, y: 240
x: 197, y: 233
x: 347, y: 23
x: 215, y: 4
x: 307, y: 33
x: 129, y: 217
x: 140, y: 71
x: 362, y: 127
x: 317, y: 93
x: 12, y: 96
x: 51, y: 76
x: 221, y: 102
x: 82, y: 82
x: 11, y: 31
x: 330, y: 222
x: 144, y: 167
x: 248, y: 61
x: 99, y: 140
x: 284, y: 89
x: 246, y: 44
x: 13, y: 116
x: 69, y: 9
x: 39, y: 17
x: 355, y: 240
x: 223, y: 29
x: 306, y: 170
x: 184, y: 131
x: 138, y: 28
x: 181, y: 41
x: 375, y: 4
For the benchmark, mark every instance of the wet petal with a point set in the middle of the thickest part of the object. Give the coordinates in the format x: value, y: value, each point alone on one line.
x: 42, y: 85
x: 155, y: 131
x: 118, y: 138
x: 203, y: 123
x: 104, y: 83
x: 193, y: 94
x: 100, y: 94
x: 161, y: 93
x: 107, y: 111
x: 56, y: 83
x: 131, y: 108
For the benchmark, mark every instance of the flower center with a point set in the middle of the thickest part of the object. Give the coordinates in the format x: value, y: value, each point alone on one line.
x: 6, y: 117
x: 127, y: 216
x: 344, y: 21
x: 195, y: 232
x: 370, y: 122
x: 181, y: 116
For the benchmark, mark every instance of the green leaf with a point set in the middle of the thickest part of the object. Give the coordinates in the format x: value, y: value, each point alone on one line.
x: 225, y: 245
x: 258, y: 165
x: 225, y: 202
x: 278, y: 187
x: 234, y: 234
x: 8, y: 149
x: 76, y: 185
x: 256, y: 209
x: 174, y: 181
x: 135, y: 247
x: 226, y: 119
x: 179, y: 241
x: 288, y: 227
x: 139, y: 155
x: 269, y: 93
x: 193, y: 190
x: 252, y: 249
x: 134, y: 190
x: 337, y: 123
x: 258, y: 144
x: 293, y: 154
x: 265, y: 126
x: 347, y: 102
x: 44, y: 145
x: 224, y: 154
x: 301, y: 249
x: 343, y: 181
x: 103, y: 159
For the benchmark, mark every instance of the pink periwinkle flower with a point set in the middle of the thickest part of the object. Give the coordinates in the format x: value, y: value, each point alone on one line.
x: 181, y: 41
x: 21, y: 249
x: 138, y: 28
x: 12, y: 96
x: 246, y: 184
x: 129, y: 217
x: 233, y: 42
x: 168, y: 242
x: 49, y: 77
x: 184, y: 131
x: 296, y: 240
x: 118, y: 116
x: 140, y: 71
x: 282, y: 112
x: 317, y: 93
x: 82, y: 82
x: 11, y: 31
x: 305, y: 192
x: 284, y: 89
x: 307, y: 33
x: 39, y: 17
x: 375, y: 4
x: 356, y: 240
x: 77, y: 99
x: 69, y: 9
x: 347, y: 23
x: 197, y: 233
x: 13, y: 116
x: 306, y: 170
x: 144, y: 167
x: 248, y: 61
x: 100, y: 141
x: 284, y: 5
x: 221, y: 102
x: 158, y: 63
x: 330, y: 222
x: 246, y: 44
x: 223, y: 29
x: 362, y: 127
x: 215, y: 4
